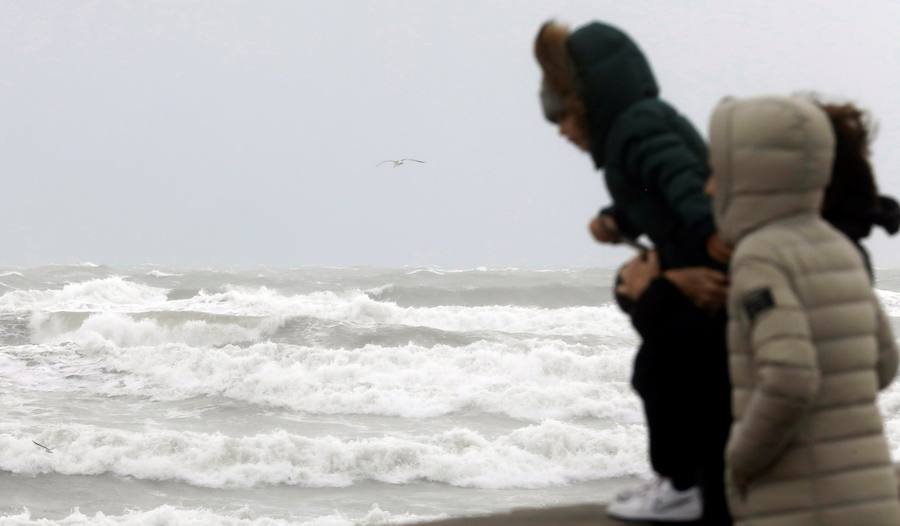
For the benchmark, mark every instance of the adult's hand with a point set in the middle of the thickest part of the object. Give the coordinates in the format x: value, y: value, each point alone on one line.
x: 718, y: 249
x: 605, y: 230
x: 705, y: 287
x: 637, y: 275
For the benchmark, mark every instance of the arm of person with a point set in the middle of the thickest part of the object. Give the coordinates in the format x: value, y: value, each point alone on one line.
x: 887, y: 350
x: 662, y: 161
x: 785, y: 365
x: 604, y: 229
x: 622, y: 224
x: 704, y: 287
x: 674, y: 302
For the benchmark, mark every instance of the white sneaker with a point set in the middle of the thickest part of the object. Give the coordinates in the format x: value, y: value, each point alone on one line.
x: 634, y: 491
x: 658, y: 501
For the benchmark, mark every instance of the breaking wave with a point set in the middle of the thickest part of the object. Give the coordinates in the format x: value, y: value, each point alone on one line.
x: 540, y: 295
x: 547, y: 454
x: 529, y: 380
x: 358, y: 307
x: 244, y: 517
x: 113, y: 328
x: 115, y: 293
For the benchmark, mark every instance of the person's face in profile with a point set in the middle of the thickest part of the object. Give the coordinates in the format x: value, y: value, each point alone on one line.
x: 572, y: 130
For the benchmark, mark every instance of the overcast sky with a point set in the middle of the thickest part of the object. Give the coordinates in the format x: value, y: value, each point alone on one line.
x: 239, y: 133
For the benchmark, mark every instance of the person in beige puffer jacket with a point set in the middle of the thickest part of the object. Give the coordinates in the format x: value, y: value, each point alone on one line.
x: 809, y: 344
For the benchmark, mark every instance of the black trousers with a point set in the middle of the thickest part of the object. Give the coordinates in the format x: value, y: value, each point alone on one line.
x: 686, y: 394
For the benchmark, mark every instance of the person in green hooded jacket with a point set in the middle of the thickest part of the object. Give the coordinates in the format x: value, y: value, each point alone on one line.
x: 605, y: 99
x: 599, y: 89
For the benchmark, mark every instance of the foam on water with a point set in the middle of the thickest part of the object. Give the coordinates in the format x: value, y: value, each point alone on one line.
x: 164, y: 515
x: 117, y: 294
x: 119, y: 329
x: 344, y: 379
x: 546, y: 295
x: 542, y: 455
x: 358, y: 307
x: 890, y: 300
x: 529, y: 379
x: 114, y: 293
x: 161, y: 274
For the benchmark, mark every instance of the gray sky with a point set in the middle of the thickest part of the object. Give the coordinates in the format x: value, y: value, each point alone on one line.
x: 247, y: 132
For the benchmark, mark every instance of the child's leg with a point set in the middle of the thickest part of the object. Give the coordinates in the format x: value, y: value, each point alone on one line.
x: 670, y: 411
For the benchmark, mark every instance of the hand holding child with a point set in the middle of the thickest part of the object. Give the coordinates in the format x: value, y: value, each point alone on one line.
x: 637, y: 275
x: 718, y: 249
x: 705, y: 287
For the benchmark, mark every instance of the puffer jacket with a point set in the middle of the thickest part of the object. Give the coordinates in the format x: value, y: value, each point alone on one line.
x: 809, y: 345
x: 653, y: 159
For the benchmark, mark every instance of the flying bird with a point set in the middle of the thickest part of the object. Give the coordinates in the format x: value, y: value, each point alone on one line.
x: 399, y: 162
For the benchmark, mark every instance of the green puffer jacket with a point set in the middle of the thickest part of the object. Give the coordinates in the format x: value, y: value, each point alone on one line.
x: 654, y: 160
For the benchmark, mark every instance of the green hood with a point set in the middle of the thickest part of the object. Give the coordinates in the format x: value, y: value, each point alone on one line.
x: 613, y: 74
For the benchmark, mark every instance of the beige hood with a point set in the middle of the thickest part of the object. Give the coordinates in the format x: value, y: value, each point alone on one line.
x: 771, y: 157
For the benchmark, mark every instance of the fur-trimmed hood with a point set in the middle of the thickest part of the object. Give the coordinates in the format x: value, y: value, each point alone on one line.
x: 600, y: 65
x: 558, y: 82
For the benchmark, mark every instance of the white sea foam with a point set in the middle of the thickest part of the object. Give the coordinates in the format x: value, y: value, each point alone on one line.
x: 376, y: 291
x: 425, y: 270
x: 116, y: 294
x: 170, y: 515
x: 161, y: 274
x: 543, y: 455
x: 126, y: 355
x: 529, y: 380
x: 889, y: 403
x: 113, y: 293
x: 890, y: 300
x: 113, y: 328
x: 442, y: 271
x: 358, y: 307
x: 11, y: 273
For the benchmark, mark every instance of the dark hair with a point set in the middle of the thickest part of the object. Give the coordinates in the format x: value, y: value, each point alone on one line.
x: 852, y: 179
x: 852, y: 204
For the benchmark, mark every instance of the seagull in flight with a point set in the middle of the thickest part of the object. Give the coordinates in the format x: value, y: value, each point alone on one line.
x: 399, y: 162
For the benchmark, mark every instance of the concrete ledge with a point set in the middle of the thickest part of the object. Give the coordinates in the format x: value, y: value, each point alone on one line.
x: 583, y: 515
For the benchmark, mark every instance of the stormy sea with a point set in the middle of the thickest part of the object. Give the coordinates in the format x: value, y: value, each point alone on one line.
x: 316, y: 396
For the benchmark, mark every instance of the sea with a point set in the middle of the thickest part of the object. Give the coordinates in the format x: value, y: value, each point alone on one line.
x: 317, y: 396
